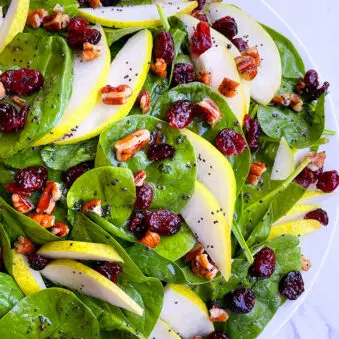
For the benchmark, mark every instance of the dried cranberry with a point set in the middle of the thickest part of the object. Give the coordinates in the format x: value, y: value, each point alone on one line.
x: 318, y: 214
x: 201, y: 4
x: 37, y: 262
x: 24, y: 81
x: 163, y: 222
x: 306, y: 178
x: 201, y: 39
x: 182, y: 74
x: 75, y: 172
x: 240, y: 43
x: 218, y: 335
x: 230, y: 142
x: 108, y: 3
x: 81, y: 2
x: 163, y: 47
x: 309, y: 85
x: 77, y: 24
x: 226, y: 26
x: 12, y: 120
x: 311, y: 79
x: 144, y: 197
x: 241, y: 300
x: 252, y: 131
x: 291, y: 285
x: 160, y: 152
x: 138, y: 225
x: 328, y: 181
x: 109, y: 270
x: 76, y: 39
x: 181, y: 113
x: 264, y: 264
x: 201, y: 16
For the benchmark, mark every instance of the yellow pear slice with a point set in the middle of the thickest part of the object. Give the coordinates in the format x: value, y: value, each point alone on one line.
x: 79, y: 250
x: 207, y: 221
x: 129, y: 67
x: 84, y: 279
x: 29, y: 281
x: 296, y: 212
x: 163, y: 331
x: 284, y: 162
x: 134, y: 16
x: 89, y: 78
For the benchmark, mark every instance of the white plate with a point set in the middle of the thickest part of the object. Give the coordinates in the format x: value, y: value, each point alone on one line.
x: 315, y: 246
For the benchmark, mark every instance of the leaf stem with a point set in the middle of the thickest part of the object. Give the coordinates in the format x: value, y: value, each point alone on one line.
x: 254, y: 111
x: 163, y: 18
x: 329, y: 132
x: 242, y: 242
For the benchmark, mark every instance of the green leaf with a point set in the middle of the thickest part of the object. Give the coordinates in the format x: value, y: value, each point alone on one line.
x: 6, y: 250
x: 114, y: 35
x: 55, y: 308
x: 70, y: 6
x: 29, y: 157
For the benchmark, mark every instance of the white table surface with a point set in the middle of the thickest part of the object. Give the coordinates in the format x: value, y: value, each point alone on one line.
x: 316, y: 23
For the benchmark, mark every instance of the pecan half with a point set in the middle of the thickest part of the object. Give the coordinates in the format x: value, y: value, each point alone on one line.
x: 24, y: 245
x: 218, y: 314
x: 203, y: 267
x: 2, y: 91
x: 90, y: 52
x: 209, y: 111
x: 296, y: 103
x: 204, y: 78
x: 151, y: 239
x: 116, y: 95
x: 93, y: 206
x: 55, y: 22
x: 35, y: 17
x: 128, y: 146
x: 19, y: 101
x: 139, y: 178
x: 317, y: 161
x: 305, y: 263
x: 195, y: 251
x: 289, y: 100
x: 21, y: 204
x: 228, y: 88
x: 94, y: 3
x: 144, y: 101
x: 44, y: 220
x: 60, y: 229
x: 254, y: 53
x: 247, y: 67
x: 256, y: 171
x: 50, y: 195
x: 159, y: 68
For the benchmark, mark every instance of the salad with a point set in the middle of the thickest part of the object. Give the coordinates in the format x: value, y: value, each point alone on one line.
x: 149, y: 186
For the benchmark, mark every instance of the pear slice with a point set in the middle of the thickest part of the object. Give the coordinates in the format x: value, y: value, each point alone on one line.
x: 185, y: 312
x: 84, y: 279
x: 89, y: 78
x: 284, y: 162
x: 29, y: 281
x: 134, y: 16
x: 14, y: 21
x: 207, y: 221
x: 79, y: 250
x: 163, y: 331
x: 215, y: 172
x: 132, y: 61
x: 267, y: 82
x: 296, y: 212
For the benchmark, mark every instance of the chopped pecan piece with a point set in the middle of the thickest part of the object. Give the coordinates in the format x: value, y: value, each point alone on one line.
x: 204, y: 78
x: 254, y: 53
x: 94, y: 3
x: 2, y: 91
x: 44, y: 220
x: 228, y: 88
x: 296, y: 103
x: 24, y: 245
x: 209, y: 111
x: 21, y: 204
x: 289, y: 100
x: 55, y: 22
x: 90, y: 52
x: 50, y: 195
x: 256, y: 171
x: 151, y: 239
x: 58, y: 8
x: 317, y: 161
x: 93, y: 206
x: 19, y: 101
x: 195, y: 251
x: 116, y: 95
x: 128, y: 146
x: 139, y: 178
x: 202, y: 266
x: 246, y: 66
x: 144, y: 101
x: 60, y: 229
x: 35, y: 17
x: 305, y: 263
x: 159, y: 68
x: 218, y: 314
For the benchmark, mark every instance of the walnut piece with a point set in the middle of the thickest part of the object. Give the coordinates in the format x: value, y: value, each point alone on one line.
x: 305, y: 263
x: 247, y: 66
x: 144, y: 101
x: 55, y: 22
x: 228, y: 88
x: 289, y: 100
x: 2, y: 91
x: 218, y: 314
x: 44, y: 220
x: 94, y: 3
x: 60, y: 229
x: 24, y: 245
x: 58, y: 8
x: 209, y: 111
x: 151, y: 239
x: 254, y: 53
x: 21, y: 203
x: 19, y: 101
x: 256, y: 171
x: 90, y: 52
x: 35, y: 17
x: 139, y: 178
x: 196, y: 250
x: 93, y: 206
x: 116, y: 95
x: 49, y: 197
x: 159, y: 68
x: 204, y: 78
x: 317, y: 161
x: 203, y: 266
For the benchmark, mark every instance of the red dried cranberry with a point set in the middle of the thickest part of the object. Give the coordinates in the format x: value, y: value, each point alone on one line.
x: 160, y: 152
x: 163, y: 222
x: 144, y: 197
x: 309, y: 86
x: 318, y: 214
x: 24, y: 81
x: 37, y: 262
x: 291, y: 285
x: 240, y: 43
x: 229, y: 142
x: 76, y: 39
x: 10, y: 119
x: 138, y: 225
x: 109, y: 270
x: 311, y: 79
x: 241, y: 300
x: 163, y: 47
x: 181, y: 113
x: 226, y: 26
x: 77, y: 24
x: 306, y: 178
x: 218, y: 335
x: 252, y: 130
x: 201, y: 17
x: 328, y: 181
x: 201, y: 39
x: 264, y: 264
x: 201, y: 4
x: 75, y: 172
x: 182, y: 74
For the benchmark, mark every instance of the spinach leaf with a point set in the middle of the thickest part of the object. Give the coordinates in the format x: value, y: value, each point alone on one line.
x: 114, y: 35
x: 54, y: 59
x: 113, y: 186
x: 6, y: 250
x: 29, y: 157
x: 60, y: 312
x: 63, y: 157
x: 147, y: 291
x: 70, y: 6
x: 196, y: 92
x: 10, y: 293
x: 172, y: 180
